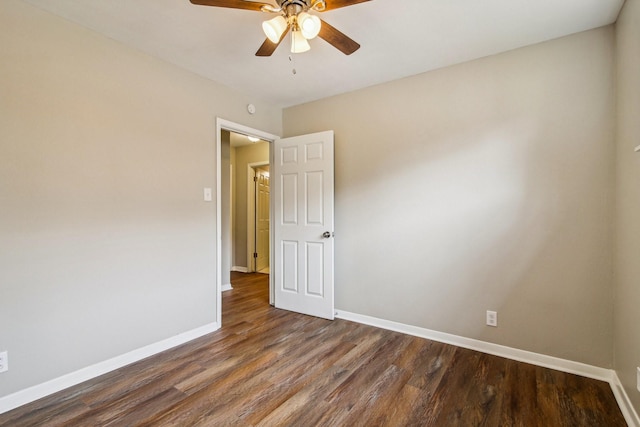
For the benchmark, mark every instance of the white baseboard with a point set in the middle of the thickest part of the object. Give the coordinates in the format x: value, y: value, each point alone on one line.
x: 629, y: 412
x: 240, y: 269
x: 484, y: 347
x: 227, y: 287
x: 563, y: 365
x: 39, y: 391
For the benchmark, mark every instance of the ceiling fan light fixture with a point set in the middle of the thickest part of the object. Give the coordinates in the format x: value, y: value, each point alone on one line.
x: 274, y: 28
x: 296, y: 16
x: 309, y: 25
x: 298, y: 43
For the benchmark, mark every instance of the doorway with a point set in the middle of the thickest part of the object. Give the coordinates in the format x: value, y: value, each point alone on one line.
x: 303, y: 182
x: 261, y: 223
x: 232, y: 215
x: 258, y: 215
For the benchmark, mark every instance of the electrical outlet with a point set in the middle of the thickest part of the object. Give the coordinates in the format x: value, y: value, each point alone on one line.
x: 492, y: 318
x: 638, y: 381
x: 4, y: 361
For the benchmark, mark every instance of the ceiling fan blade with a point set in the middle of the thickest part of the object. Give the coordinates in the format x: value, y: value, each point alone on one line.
x: 233, y: 4
x: 337, y: 39
x: 336, y: 4
x: 268, y: 47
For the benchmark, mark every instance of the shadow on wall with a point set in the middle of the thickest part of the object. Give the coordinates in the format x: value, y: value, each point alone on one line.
x: 488, y: 218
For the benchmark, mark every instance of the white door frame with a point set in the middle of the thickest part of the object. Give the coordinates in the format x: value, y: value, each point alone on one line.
x: 238, y: 128
x: 251, y: 214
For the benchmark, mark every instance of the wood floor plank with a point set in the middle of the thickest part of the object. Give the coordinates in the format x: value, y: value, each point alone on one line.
x: 431, y: 366
x: 409, y: 400
x: 365, y: 348
x: 112, y: 408
x: 56, y: 414
x: 287, y: 374
x: 307, y: 405
x: 348, y: 391
x: 268, y: 367
x: 520, y: 395
x: 134, y: 415
x: 289, y: 382
x: 214, y: 397
x: 450, y: 396
x: 375, y: 400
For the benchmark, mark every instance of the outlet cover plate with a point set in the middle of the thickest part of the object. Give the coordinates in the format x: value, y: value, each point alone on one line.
x: 4, y: 361
x: 492, y: 318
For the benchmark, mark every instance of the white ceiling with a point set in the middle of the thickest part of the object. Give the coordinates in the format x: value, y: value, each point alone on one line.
x: 399, y: 38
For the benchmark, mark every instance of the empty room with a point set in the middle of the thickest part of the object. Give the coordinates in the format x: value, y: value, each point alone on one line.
x: 319, y: 212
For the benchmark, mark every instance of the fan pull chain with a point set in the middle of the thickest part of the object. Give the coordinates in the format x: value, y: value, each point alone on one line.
x: 293, y: 64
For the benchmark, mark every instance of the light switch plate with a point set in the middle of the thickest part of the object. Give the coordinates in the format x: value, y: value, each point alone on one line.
x: 208, y: 197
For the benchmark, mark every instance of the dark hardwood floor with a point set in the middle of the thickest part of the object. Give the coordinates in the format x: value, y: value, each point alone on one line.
x: 268, y: 367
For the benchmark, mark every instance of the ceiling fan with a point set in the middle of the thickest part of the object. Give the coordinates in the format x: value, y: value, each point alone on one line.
x: 294, y: 15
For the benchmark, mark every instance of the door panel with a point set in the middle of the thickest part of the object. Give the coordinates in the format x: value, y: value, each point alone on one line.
x: 303, y: 201
x: 315, y: 274
x: 290, y: 199
x: 262, y: 220
x: 315, y: 193
x: 290, y: 267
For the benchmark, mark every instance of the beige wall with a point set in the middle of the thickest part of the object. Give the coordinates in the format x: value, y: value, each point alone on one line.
x: 244, y: 155
x: 483, y: 186
x: 106, y: 244
x: 627, y: 267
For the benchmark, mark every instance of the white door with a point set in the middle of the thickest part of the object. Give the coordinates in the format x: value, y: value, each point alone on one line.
x: 262, y: 221
x: 302, y: 183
